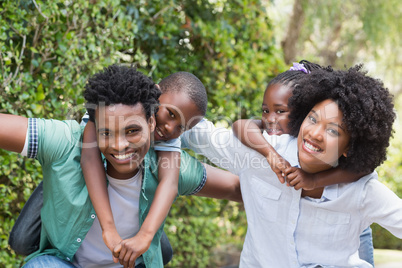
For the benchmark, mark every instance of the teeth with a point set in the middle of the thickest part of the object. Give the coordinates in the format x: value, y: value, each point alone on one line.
x: 123, y: 156
x: 311, y: 147
x: 273, y: 130
x: 159, y: 132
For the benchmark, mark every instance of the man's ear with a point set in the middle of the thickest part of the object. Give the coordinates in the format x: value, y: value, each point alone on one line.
x: 152, y: 123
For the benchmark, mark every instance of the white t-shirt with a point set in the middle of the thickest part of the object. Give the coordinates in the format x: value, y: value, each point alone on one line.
x: 173, y: 145
x: 124, y: 200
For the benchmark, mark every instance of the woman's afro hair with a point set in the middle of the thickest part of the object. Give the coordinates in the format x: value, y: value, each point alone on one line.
x: 118, y: 84
x: 366, y: 105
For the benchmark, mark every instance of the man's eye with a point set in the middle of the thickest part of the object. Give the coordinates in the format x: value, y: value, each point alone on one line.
x: 280, y: 112
x: 132, y: 131
x: 105, y: 134
x: 171, y: 114
x: 265, y: 111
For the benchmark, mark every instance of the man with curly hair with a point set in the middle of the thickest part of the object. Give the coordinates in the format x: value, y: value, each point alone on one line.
x: 122, y: 102
x: 338, y: 118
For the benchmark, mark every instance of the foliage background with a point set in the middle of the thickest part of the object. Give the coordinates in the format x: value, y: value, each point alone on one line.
x: 48, y: 49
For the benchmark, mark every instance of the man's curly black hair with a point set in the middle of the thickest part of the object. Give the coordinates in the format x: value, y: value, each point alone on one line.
x: 367, y: 107
x: 118, y: 84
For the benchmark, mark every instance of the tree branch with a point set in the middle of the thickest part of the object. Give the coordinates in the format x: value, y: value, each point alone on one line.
x: 40, y: 11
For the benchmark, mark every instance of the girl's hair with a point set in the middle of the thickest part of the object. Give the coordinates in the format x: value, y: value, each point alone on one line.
x: 290, y: 77
x: 119, y: 84
x: 366, y: 105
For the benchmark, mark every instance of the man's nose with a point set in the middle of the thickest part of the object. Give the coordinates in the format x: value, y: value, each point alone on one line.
x: 120, y: 143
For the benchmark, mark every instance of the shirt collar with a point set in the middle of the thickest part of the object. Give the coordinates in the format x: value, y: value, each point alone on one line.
x: 330, y: 193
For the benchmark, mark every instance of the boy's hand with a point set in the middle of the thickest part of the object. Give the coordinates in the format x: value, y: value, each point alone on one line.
x: 112, y: 239
x: 299, y: 179
x: 278, y: 165
x: 130, y: 249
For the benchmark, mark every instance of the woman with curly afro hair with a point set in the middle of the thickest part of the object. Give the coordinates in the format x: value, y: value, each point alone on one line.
x: 339, y: 119
x: 275, y: 121
x: 367, y: 108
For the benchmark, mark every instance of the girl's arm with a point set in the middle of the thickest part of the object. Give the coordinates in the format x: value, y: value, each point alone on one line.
x: 166, y: 192
x: 300, y: 179
x: 249, y: 132
x: 95, y: 179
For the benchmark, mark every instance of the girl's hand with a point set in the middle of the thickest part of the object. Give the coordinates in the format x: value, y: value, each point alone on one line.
x: 130, y: 249
x: 299, y: 179
x: 111, y: 239
x: 278, y: 165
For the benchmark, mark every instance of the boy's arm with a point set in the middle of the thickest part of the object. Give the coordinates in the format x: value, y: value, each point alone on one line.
x: 13, y: 132
x: 95, y: 179
x: 166, y: 192
x: 249, y: 133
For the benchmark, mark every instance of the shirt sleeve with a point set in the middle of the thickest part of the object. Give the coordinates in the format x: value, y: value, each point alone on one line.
x: 84, y: 119
x: 24, y: 151
x: 192, y: 175
x: 173, y: 145
x: 50, y: 140
x: 219, y: 145
x: 382, y: 206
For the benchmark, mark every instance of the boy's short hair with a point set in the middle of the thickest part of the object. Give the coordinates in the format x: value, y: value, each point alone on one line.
x: 118, y: 84
x: 367, y: 107
x: 189, y: 84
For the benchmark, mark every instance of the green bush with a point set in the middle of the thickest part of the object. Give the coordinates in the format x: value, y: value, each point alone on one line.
x: 390, y: 173
x: 48, y: 49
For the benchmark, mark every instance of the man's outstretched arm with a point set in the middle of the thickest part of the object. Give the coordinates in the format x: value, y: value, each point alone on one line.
x: 13, y: 131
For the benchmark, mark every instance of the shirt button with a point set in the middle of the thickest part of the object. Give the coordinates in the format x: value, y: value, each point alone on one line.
x: 79, y: 240
x: 68, y: 258
x: 93, y: 216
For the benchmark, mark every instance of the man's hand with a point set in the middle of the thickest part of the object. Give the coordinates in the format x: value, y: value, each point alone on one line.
x: 299, y: 179
x: 278, y: 165
x: 112, y: 239
x: 130, y: 249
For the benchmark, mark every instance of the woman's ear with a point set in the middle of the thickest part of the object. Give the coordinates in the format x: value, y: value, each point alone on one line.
x: 345, y: 154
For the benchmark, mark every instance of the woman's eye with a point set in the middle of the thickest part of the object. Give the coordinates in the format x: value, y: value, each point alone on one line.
x: 265, y: 111
x: 171, y: 114
x: 333, y: 132
x: 312, y: 119
x: 280, y: 112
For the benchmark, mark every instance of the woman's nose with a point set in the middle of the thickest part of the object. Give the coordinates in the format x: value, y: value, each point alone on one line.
x: 316, y: 132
